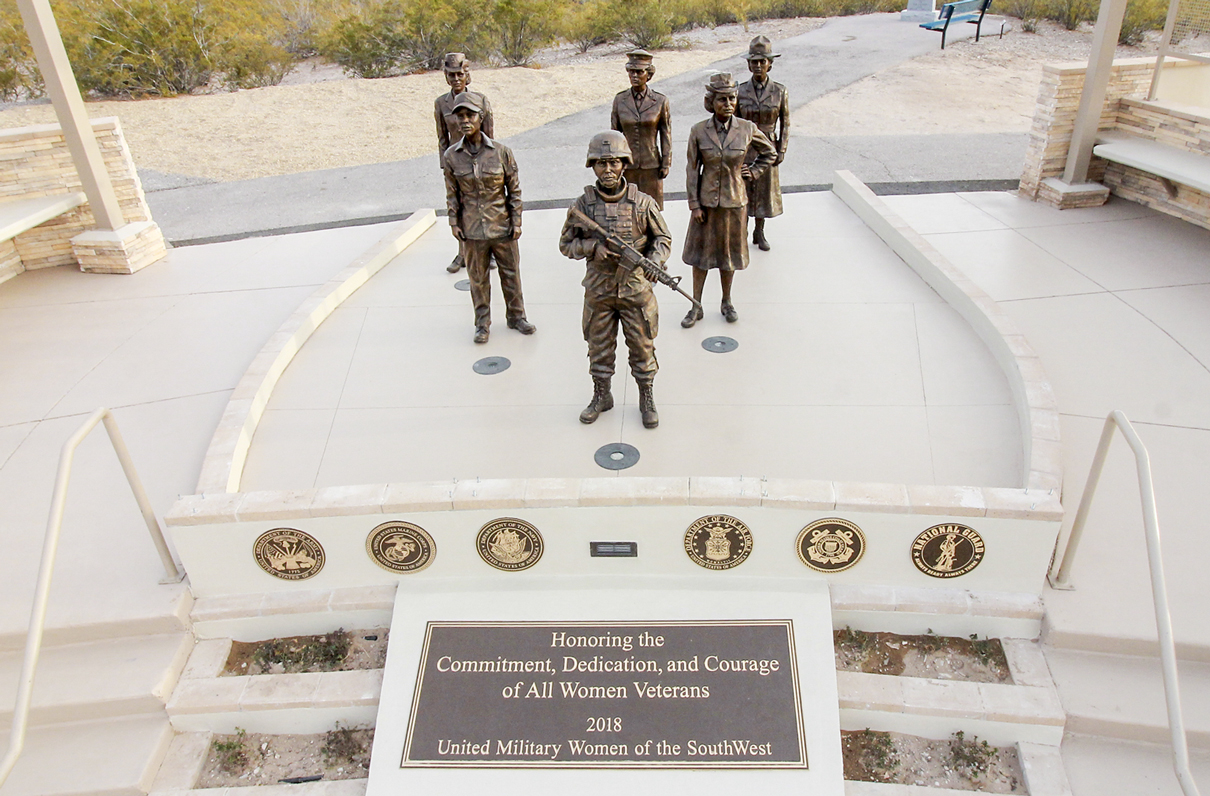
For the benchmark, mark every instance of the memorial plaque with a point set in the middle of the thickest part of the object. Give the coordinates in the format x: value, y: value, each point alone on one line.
x: 691, y: 694
x: 289, y: 554
x: 948, y: 550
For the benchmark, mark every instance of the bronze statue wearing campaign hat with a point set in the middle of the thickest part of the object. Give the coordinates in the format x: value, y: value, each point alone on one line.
x: 766, y: 103
x: 716, y: 179
x: 458, y: 75
x: 644, y: 116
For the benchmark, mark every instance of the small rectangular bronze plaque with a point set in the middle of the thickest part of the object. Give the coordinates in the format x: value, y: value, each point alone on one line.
x: 705, y: 694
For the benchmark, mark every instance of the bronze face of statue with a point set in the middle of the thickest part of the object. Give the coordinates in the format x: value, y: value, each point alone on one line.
x: 483, y: 197
x: 618, y: 229
x: 767, y: 104
x: 644, y: 116
x: 716, y: 179
x: 458, y: 75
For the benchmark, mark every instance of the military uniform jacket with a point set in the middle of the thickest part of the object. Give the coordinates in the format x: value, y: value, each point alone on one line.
x: 634, y: 218
x: 766, y: 107
x: 712, y: 175
x: 645, y: 122
x: 447, y: 123
x: 482, y: 190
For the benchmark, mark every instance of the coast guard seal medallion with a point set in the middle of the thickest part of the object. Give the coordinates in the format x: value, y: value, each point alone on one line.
x: 947, y: 551
x: 509, y: 544
x: 718, y: 542
x: 830, y: 545
x: 400, y: 546
x: 288, y: 554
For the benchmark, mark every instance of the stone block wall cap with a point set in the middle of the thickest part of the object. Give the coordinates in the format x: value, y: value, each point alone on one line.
x: 119, y: 235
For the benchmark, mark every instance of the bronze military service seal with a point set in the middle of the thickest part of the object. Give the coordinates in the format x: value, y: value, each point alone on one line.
x: 947, y: 551
x: 288, y: 554
x: 509, y: 544
x: 400, y: 546
x: 718, y: 542
x: 830, y: 545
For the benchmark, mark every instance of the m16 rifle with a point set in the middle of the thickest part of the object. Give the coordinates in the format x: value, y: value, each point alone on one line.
x: 631, y: 256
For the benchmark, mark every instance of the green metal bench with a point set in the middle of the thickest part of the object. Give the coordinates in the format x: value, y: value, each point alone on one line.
x: 971, y: 11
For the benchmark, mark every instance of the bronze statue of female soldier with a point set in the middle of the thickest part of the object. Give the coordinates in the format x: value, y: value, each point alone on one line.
x: 768, y: 105
x: 644, y: 116
x: 458, y: 77
x: 716, y: 179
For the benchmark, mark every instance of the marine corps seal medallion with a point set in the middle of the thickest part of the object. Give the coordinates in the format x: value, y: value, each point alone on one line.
x: 288, y: 554
x: 947, y: 551
x: 509, y: 544
x: 400, y: 546
x: 718, y: 542
x: 830, y: 545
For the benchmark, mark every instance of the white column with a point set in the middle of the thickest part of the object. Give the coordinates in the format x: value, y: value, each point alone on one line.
x: 1092, y: 99
x: 69, y: 107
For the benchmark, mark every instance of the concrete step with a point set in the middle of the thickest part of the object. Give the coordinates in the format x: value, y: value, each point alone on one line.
x: 98, y: 679
x: 1122, y: 696
x: 167, y: 613
x: 340, y: 787
x: 113, y: 757
x: 1101, y: 766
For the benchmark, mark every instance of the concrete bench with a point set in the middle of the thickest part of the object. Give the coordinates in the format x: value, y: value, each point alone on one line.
x: 1172, y: 165
x: 22, y: 215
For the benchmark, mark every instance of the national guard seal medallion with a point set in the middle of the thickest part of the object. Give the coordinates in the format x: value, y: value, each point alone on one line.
x: 718, y: 542
x: 288, y: 554
x: 947, y: 551
x: 831, y: 545
x: 400, y: 546
x: 509, y: 544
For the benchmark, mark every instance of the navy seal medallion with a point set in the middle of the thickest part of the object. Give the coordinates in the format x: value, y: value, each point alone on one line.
x: 947, y: 550
x: 400, y: 546
x: 830, y: 545
x: 509, y: 544
x: 718, y: 541
x: 289, y: 554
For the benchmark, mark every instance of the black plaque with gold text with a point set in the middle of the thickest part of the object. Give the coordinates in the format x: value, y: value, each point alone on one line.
x: 692, y: 694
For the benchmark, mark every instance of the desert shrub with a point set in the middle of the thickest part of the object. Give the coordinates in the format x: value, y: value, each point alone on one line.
x: 366, y: 45
x: 522, y: 27
x: 587, y: 24
x: 1028, y: 11
x: 19, y: 75
x: 388, y: 37
x: 1142, y: 16
x: 648, y: 24
x: 1070, y: 13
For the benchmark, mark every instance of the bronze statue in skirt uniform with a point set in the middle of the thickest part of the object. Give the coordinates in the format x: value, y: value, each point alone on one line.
x: 645, y: 118
x: 768, y: 105
x: 717, y: 176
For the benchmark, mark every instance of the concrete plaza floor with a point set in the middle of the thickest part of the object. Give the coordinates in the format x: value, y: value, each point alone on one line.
x: 1114, y: 300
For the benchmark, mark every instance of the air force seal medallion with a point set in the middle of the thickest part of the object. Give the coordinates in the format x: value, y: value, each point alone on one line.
x: 288, y: 554
x: 718, y: 542
x: 400, y: 546
x: 947, y: 551
x: 509, y: 544
x: 831, y: 545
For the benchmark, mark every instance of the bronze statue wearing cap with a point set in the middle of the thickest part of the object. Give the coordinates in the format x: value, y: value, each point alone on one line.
x: 766, y: 103
x: 644, y: 116
x: 458, y: 76
x: 716, y: 178
x: 617, y: 291
x: 483, y: 196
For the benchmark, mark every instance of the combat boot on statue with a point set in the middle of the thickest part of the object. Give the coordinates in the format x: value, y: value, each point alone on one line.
x: 651, y: 418
x: 602, y: 401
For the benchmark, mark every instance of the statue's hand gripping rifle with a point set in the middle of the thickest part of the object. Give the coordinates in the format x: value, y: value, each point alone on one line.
x: 631, y: 256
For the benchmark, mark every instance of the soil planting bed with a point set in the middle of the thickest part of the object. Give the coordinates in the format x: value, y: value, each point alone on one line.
x: 934, y: 657
x: 255, y: 759
x: 958, y: 763
x: 341, y: 651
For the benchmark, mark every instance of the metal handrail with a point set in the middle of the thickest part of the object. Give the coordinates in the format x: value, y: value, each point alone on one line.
x: 1060, y: 578
x: 33, y: 642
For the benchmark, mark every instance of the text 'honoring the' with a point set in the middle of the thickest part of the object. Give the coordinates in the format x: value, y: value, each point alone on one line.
x: 589, y: 695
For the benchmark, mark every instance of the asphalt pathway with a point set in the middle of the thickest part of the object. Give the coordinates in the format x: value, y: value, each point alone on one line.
x: 551, y: 157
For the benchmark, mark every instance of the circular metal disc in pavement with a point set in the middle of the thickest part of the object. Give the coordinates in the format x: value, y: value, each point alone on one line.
x: 617, y: 456
x: 490, y: 366
x: 720, y: 345
x: 463, y: 284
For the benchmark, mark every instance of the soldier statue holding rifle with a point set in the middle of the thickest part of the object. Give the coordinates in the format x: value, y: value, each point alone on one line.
x: 618, y: 229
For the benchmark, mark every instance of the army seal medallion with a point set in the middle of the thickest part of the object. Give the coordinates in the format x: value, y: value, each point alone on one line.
x: 288, y: 554
x: 831, y: 545
x: 718, y: 542
x: 509, y: 544
x: 400, y: 546
x: 947, y: 551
